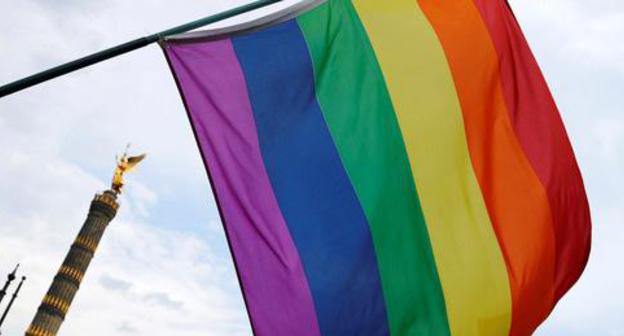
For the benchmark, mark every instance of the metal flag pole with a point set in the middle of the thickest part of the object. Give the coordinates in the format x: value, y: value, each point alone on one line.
x: 10, y: 279
x: 86, y: 61
x: 6, y: 311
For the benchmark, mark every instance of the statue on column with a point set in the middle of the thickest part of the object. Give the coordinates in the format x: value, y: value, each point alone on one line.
x: 125, y: 164
x: 59, y: 297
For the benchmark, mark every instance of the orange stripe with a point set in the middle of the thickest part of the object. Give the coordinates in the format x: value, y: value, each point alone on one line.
x: 516, y: 200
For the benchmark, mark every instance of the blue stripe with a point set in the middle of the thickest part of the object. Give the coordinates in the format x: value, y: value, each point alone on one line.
x: 313, y: 190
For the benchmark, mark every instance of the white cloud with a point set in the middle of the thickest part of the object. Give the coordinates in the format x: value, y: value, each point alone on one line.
x: 609, y: 136
x: 142, y: 278
x: 586, y: 32
x: 56, y: 138
x: 163, y: 267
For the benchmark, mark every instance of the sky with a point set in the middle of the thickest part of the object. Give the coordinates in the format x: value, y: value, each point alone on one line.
x: 163, y: 267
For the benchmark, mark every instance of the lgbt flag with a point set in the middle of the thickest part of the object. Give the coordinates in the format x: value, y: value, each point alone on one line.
x: 387, y: 167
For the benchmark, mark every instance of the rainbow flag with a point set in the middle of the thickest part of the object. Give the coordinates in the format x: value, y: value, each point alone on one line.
x: 386, y: 167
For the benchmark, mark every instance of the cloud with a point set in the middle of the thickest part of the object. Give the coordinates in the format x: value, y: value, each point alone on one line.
x: 115, y: 284
x: 162, y: 299
x: 141, y: 273
x: 163, y: 263
x: 158, y: 265
x: 609, y: 135
x: 586, y: 32
x: 126, y: 328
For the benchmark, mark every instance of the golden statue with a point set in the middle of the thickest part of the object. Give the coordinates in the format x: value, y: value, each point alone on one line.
x: 125, y: 164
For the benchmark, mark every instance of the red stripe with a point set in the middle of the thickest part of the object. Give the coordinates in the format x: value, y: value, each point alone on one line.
x: 541, y: 133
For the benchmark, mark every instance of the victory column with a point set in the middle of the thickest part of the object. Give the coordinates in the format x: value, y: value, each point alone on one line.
x: 58, y: 299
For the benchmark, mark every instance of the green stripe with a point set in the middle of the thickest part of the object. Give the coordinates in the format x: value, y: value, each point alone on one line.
x: 357, y: 108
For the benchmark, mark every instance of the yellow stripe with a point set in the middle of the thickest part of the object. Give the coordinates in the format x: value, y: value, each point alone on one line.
x: 469, y: 261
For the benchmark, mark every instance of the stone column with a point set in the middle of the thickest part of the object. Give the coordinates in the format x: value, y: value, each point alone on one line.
x: 59, y: 297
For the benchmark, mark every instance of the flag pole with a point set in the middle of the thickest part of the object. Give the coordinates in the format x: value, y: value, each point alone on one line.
x: 121, y: 49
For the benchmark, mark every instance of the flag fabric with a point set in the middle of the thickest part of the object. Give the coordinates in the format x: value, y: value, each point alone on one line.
x: 387, y: 167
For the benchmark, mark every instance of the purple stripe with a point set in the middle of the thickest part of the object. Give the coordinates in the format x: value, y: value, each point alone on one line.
x: 274, y: 285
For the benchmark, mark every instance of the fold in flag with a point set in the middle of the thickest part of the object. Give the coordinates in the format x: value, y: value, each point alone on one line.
x: 387, y: 167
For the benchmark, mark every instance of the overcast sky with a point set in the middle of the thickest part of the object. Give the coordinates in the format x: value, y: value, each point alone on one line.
x: 163, y: 267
